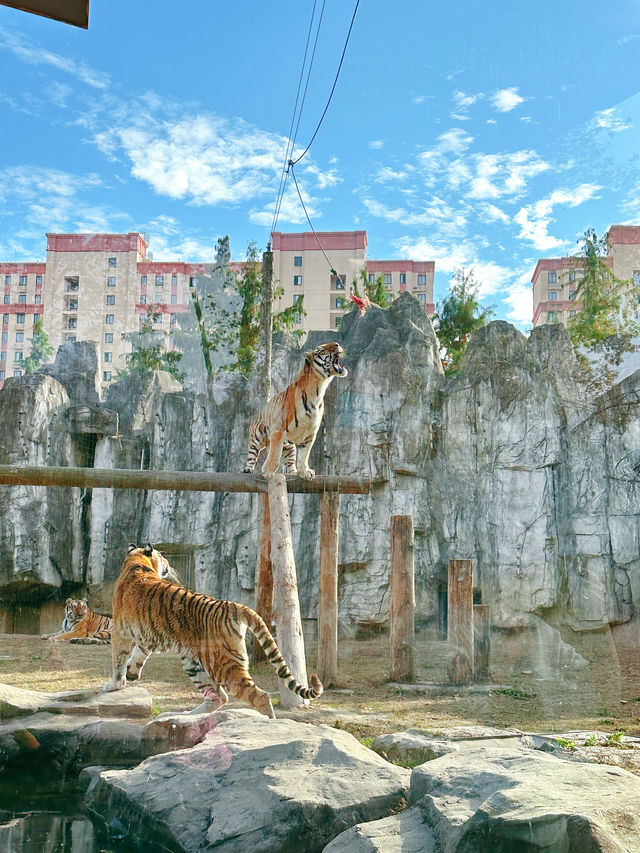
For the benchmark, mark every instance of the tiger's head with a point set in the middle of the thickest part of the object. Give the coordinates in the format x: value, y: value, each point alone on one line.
x: 327, y: 360
x: 160, y: 564
x: 74, y: 611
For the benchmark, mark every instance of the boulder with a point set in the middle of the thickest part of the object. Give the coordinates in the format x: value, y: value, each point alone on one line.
x: 253, y: 783
x: 412, y: 747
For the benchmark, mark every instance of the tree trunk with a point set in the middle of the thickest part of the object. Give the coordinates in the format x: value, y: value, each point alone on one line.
x: 328, y: 589
x: 403, y: 601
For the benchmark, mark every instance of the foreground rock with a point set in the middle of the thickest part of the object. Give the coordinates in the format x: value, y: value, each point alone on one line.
x: 415, y: 746
x: 496, y: 796
x: 17, y: 702
x: 253, y: 783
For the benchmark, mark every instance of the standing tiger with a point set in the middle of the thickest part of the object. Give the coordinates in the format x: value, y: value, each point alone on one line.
x: 292, y: 418
x: 81, y: 625
x: 151, y: 612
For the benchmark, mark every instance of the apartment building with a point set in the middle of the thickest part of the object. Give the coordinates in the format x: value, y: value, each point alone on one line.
x: 554, y: 279
x: 23, y: 305
x: 302, y: 268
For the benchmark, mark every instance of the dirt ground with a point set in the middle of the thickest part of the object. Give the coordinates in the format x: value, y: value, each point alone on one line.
x: 604, y: 696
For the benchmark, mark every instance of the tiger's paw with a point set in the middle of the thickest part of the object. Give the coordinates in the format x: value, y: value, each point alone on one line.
x: 247, y: 470
x: 306, y: 473
x: 112, y: 685
x: 268, y: 473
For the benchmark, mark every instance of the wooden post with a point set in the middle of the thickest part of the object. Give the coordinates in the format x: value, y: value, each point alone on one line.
x: 286, y: 605
x: 328, y: 589
x: 264, y: 573
x: 481, y: 634
x: 460, y: 621
x: 403, y: 601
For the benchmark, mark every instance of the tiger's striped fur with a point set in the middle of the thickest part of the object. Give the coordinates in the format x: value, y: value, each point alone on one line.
x: 81, y: 625
x: 153, y: 613
x: 292, y: 418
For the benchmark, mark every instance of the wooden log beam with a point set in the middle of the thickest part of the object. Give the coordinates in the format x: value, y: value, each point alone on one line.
x: 172, y: 481
x: 328, y: 589
x: 460, y: 622
x: 403, y: 602
x: 286, y: 604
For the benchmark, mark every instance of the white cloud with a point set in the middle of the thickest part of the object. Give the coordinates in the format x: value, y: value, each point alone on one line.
x: 386, y: 174
x: 499, y: 175
x: 32, y: 54
x: 610, y: 120
x: 534, y: 219
x: 505, y: 100
x: 376, y: 144
x: 492, y: 213
x: 434, y: 211
x: 519, y: 298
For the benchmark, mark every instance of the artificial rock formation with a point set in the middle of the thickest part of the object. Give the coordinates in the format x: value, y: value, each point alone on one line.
x: 510, y: 463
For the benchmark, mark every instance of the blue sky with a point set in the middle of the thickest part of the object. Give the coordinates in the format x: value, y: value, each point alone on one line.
x: 472, y: 134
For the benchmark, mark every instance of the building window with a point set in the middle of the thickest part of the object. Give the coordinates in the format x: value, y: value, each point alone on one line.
x: 5, y: 337
x: 71, y: 339
x: 111, y: 281
x: 7, y: 298
x: 572, y: 313
x: 38, y: 281
x: 108, y: 337
x: 636, y: 276
x: 113, y: 262
x: 109, y: 319
x: 19, y: 337
x: 552, y: 296
x: 552, y: 277
x: 422, y: 298
x: 72, y: 322
x: 2, y: 374
x: 572, y: 275
x: 387, y: 278
x: 19, y: 318
x: 7, y: 281
x: 111, y: 299
x: 72, y: 284
x: 297, y: 281
x: 22, y: 280
x: 173, y: 319
x: 37, y: 299
x: 174, y: 298
x: 17, y: 373
x: 73, y: 305
x: 159, y: 280
x: 143, y: 281
x: 297, y: 260
x: 552, y: 316
x: 108, y: 356
x: 18, y: 356
x: 3, y: 356
x: 157, y: 318
x: 422, y: 280
x: 192, y: 281
x: 337, y: 282
x: 297, y: 298
x: 572, y: 295
x: 403, y: 278
x: 106, y: 376
x: 5, y: 318
x: 174, y: 281
x: 22, y: 298
x: 143, y: 299
x: 371, y: 277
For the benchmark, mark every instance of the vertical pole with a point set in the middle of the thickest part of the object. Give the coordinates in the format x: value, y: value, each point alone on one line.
x: 328, y: 589
x: 264, y: 573
x: 481, y: 634
x: 286, y: 605
x: 402, y: 599
x: 460, y: 621
x: 266, y: 320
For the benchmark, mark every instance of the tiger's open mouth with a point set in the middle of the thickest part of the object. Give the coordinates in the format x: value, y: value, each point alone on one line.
x: 339, y: 368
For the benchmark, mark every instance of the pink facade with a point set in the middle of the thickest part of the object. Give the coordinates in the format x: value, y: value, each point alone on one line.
x: 132, y: 242
x: 329, y: 240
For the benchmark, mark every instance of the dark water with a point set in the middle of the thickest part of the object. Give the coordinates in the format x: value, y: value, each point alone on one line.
x: 49, y: 824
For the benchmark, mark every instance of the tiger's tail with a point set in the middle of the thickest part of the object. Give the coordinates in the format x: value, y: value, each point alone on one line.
x: 257, y: 439
x: 272, y: 652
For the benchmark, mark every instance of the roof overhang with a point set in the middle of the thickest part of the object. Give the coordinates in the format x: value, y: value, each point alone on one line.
x: 74, y: 12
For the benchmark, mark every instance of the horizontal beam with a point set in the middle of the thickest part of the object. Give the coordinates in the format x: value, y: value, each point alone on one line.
x: 172, y: 481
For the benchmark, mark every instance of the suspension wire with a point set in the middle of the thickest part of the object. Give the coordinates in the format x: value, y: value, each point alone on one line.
x: 289, y: 147
x: 333, y: 88
x: 313, y: 230
x: 315, y: 45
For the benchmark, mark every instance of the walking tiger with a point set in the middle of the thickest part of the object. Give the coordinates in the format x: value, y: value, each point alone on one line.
x: 152, y: 612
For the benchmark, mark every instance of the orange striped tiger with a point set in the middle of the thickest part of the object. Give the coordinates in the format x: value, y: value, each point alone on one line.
x: 292, y: 418
x: 81, y: 625
x: 152, y: 612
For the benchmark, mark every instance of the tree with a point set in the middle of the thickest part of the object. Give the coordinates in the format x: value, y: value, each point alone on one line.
x: 41, y: 349
x: 606, y: 309
x: 376, y: 290
x: 457, y: 316
x: 149, y: 349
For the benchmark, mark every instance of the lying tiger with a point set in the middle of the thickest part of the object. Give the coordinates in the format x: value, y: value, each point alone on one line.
x: 81, y: 625
x: 152, y: 612
x: 292, y: 418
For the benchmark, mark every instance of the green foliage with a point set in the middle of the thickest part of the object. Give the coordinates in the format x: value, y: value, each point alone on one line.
x: 457, y: 317
x: 606, y: 309
x: 366, y: 741
x: 41, y: 349
x: 615, y: 738
x: 375, y: 290
x: 149, y: 350
x: 512, y: 692
x: 592, y: 740
x: 566, y: 744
